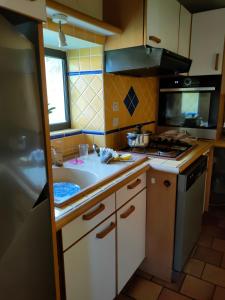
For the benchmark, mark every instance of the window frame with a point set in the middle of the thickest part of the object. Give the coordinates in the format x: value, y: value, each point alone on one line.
x: 62, y: 55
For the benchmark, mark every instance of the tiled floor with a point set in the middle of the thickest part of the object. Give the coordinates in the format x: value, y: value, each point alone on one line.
x: 203, y: 277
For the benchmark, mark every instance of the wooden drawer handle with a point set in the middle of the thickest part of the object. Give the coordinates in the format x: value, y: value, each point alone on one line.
x: 94, y: 213
x: 154, y: 39
x: 217, y: 62
x: 128, y: 212
x: 134, y: 184
x: 106, y: 231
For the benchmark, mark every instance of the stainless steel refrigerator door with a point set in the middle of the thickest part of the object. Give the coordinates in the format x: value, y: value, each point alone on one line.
x: 26, y: 267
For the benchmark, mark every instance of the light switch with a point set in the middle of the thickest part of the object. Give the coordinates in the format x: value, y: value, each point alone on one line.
x: 115, y: 122
x: 115, y: 106
x: 153, y: 180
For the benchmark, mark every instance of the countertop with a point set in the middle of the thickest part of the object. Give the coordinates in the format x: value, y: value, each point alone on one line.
x: 115, y: 175
x: 178, y: 166
x: 110, y: 176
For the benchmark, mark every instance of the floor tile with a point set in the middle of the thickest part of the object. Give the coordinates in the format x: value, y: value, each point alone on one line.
x: 205, y: 240
x: 219, y: 293
x: 143, y: 275
x: 142, y: 289
x: 175, y: 285
x: 214, y: 274
x: 194, y: 267
x: 214, y: 231
x: 218, y: 244
x: 197, y: 288
x: 171, y: 295
x: 208, y: 255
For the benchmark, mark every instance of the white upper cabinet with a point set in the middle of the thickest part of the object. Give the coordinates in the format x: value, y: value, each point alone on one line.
x: 163, y: 24
x: 32, y: 8
x: 207, y: 44
x: 184, y: 32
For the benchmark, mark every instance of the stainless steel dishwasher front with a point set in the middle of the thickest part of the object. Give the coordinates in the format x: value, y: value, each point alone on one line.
x: 189, y: 210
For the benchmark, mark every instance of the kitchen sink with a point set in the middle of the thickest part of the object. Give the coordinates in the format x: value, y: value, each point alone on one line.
x: 79, y: 177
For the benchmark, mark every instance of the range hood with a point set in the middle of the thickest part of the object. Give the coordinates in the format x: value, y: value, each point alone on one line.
x: 145, y: 61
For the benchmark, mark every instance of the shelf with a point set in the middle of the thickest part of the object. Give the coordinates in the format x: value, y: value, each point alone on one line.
x: 81, y: 20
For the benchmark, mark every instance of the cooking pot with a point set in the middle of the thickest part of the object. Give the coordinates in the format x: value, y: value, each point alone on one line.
x: 138, y: 138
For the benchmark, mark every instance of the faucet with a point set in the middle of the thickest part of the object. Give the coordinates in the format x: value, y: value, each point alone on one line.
x: 57, y: 157
x: 96, y: 149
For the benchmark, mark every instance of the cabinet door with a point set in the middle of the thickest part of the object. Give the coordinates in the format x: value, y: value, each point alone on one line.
x: 184, y: 32
x: 90, y: 265
x: 77, y: 228
x: 131, y: 223
x: 207, y: 43
x: 163, y: 23
x: 32, y: 8
x: 161, y: 207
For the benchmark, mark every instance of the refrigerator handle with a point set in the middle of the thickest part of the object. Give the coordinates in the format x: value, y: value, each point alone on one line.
x: 43, y: 195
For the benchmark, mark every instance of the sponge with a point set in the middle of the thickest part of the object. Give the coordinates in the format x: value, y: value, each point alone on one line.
x: 126, y: 156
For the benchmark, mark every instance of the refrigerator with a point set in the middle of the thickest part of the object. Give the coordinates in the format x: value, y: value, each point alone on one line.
x: 26, y: 251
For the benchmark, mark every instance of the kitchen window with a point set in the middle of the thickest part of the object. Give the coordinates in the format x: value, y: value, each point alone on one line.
x: 57, y: 89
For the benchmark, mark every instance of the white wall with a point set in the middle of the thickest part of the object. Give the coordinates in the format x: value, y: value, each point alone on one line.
x: 89, y: 7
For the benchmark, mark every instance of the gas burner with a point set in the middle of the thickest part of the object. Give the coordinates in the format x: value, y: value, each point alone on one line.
x: 165, y: 147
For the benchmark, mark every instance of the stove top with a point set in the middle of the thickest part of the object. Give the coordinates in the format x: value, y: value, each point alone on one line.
x: 162, y: 147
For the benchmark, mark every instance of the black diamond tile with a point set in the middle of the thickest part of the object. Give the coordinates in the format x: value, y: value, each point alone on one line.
x: 127, y: 101
x: 131, y: 101
x: 135, y: 101
x: 131, y: 109
x: 131, y: 93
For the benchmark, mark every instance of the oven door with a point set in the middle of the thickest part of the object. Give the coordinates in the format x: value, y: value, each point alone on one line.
x: 188, y: 107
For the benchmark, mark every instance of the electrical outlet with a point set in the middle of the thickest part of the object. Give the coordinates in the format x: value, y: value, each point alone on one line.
x: 115, y: 106
x: 115, y: 122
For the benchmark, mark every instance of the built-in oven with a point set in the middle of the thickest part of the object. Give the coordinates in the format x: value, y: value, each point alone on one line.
x: 191, y: 104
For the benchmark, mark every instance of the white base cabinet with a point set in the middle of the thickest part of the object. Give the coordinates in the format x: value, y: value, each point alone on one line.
x: 131, y: 224
x: 32, y: 8
x: 105, y: 246
x: 90, y: 265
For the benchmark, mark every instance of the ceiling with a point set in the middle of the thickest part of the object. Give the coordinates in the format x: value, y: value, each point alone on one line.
x: 200, y: 5
x: 51, y: 41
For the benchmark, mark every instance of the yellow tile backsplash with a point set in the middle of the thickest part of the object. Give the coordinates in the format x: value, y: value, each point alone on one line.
x: 86, y: 90
x: 92, y: 97
x: 68, y: 145
x: 116, y: 88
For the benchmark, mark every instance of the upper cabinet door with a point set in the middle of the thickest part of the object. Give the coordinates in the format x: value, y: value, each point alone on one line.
x: 163, y: 24
x: 32, y: 8
x: 184, y: 32
x: 208, y: 30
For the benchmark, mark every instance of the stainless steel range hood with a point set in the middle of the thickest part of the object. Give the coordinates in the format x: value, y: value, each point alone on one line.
x: 145, y: 61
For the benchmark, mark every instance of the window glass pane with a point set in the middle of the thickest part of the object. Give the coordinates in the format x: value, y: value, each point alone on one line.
x: 55, y: 89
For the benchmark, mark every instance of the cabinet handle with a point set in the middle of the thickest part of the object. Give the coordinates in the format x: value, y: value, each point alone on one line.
x: 154, y: 39
x: 128, y: 212
x: 94, y: 213
x: 217, y: 61
x: 167, y: 183
x: 106, y: 231
x: 134, y: 184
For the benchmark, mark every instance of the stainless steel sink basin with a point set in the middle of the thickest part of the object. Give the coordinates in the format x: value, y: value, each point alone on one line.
x: 79, y: 177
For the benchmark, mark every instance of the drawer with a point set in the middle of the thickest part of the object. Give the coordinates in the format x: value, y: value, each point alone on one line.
x: 130, y: 190
x: 86, y: 222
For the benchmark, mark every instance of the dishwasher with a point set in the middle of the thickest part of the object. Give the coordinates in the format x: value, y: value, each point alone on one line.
x: 189, y: 210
